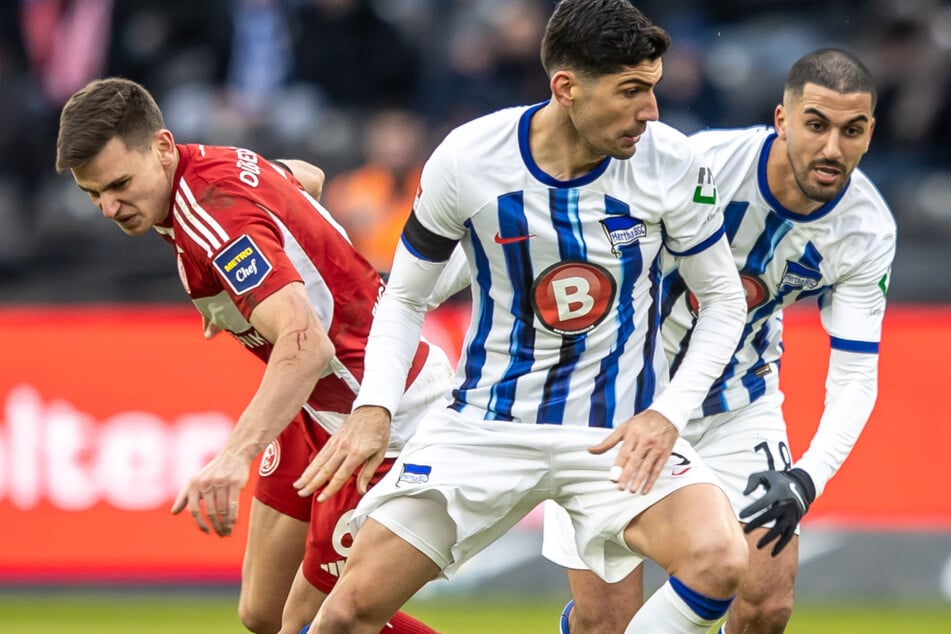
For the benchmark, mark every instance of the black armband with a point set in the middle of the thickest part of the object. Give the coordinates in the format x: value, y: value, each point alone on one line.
x: 425, y: 244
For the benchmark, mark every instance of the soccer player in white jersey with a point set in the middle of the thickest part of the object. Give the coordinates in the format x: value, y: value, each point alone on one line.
x: 264, y: 261
x: 562, y: 391
x: 803, y: 223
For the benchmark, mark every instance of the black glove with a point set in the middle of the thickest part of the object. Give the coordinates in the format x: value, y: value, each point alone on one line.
x: 787, y: 498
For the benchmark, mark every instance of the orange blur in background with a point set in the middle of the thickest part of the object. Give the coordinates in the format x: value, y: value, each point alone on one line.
x: 105, y: 411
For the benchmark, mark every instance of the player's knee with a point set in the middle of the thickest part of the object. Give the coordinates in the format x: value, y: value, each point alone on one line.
x: 721, y: 560
x: 766, y: 613
x: 259, y: 619
x: 348, y: 611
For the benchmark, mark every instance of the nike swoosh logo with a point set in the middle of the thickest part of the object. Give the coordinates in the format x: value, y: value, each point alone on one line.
x: 800, y: 498
x: 500, y: 240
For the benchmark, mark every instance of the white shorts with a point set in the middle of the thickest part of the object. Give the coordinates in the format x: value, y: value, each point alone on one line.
x: 732, y: 445
x: 487, y: 475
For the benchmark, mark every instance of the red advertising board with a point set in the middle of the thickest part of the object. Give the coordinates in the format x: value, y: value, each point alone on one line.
x: 104, y: 412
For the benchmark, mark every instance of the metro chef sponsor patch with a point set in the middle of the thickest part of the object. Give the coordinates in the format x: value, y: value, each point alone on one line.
x: 243, y: 265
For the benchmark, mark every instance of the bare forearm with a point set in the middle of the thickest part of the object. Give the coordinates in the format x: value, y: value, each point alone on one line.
x: 290, y: 376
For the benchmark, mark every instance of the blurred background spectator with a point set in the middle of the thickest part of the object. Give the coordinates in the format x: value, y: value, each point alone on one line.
x: 373, y: 200
x: 365, y: 88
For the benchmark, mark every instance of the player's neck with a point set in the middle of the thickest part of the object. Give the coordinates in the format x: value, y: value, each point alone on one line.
x: 170, y: 170
x: 557, y: 148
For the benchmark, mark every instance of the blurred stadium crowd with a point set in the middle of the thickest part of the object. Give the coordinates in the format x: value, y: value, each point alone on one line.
x: 365, y: 88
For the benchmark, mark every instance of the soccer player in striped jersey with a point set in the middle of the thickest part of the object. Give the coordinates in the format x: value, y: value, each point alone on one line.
x: 804, y: 224
x: 562, y: 391
x: 261, y: 259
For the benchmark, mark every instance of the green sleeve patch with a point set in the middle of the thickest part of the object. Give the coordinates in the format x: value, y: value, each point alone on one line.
x: 883, y: 284
x: 706, y: 191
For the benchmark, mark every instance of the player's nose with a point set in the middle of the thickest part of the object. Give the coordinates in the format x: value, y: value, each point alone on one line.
x: 833, y: 146
x: 109, y: 205
x: 650, y: 111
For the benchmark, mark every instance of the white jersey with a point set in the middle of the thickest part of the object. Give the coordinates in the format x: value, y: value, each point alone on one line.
x: 574, y: 337
x: 841, y: 254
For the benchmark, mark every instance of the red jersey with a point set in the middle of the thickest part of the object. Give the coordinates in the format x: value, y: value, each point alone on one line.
x: 243, y: 228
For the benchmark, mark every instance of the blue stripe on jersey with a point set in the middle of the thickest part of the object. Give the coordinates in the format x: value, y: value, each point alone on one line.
x: 810, y: 258
x: 563, y: 205
x: 604, y: 395
x: 647, y: 381
x: 850, y: 345
x: 733, y: 218
x: 762, y: 252
x: 759, y: 256
x: 674, y: 290
x: 475, y: 352
x: 518, y: 264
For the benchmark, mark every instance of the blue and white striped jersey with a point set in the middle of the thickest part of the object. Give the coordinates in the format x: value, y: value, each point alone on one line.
x: 565, y: 311
x: 841, y: 254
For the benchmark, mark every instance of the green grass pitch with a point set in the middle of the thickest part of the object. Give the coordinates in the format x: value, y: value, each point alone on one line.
x: 203, y: 613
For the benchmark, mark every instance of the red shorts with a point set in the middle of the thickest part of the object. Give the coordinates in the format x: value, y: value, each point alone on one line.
x: 328, y: 536
x: 282, y: 462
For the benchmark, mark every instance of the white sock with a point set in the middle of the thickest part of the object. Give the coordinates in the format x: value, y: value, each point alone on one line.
x: 667, y: 613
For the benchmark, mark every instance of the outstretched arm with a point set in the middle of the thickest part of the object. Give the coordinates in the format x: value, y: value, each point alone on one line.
x: 301, y: 349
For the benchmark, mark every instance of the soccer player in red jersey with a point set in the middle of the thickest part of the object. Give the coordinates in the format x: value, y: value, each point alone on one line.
x: 261, y: 259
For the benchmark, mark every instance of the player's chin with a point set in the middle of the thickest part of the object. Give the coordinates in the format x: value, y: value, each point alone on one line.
x: 623, y: 151
x: 132, y: 228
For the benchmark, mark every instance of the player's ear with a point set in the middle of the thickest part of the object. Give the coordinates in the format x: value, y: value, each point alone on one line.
x: 163, y: 143
x: 779, y: 122
x: 562, y: 84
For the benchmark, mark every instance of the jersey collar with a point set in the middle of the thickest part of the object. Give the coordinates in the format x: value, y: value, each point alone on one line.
x: 524, y: 123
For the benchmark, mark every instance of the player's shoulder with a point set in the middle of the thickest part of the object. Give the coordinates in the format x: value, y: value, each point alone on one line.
x: 664, y: 139
x: 665, y: 149
x: 865, y: 200
x: 730, y: 141
x: 488, y: 125
x: 219, y: 165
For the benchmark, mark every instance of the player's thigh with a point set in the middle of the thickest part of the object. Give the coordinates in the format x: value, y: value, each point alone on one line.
x: 736, y: 444
x: 689, y: 521
x: 768, y: 578
x: 273, y: 553
x: 329, y: 537
x: 384, y: 571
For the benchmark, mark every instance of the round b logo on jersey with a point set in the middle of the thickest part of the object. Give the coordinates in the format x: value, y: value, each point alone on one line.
x: 270, y: 459
x: 571, y: 298
x: 753, y: 287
